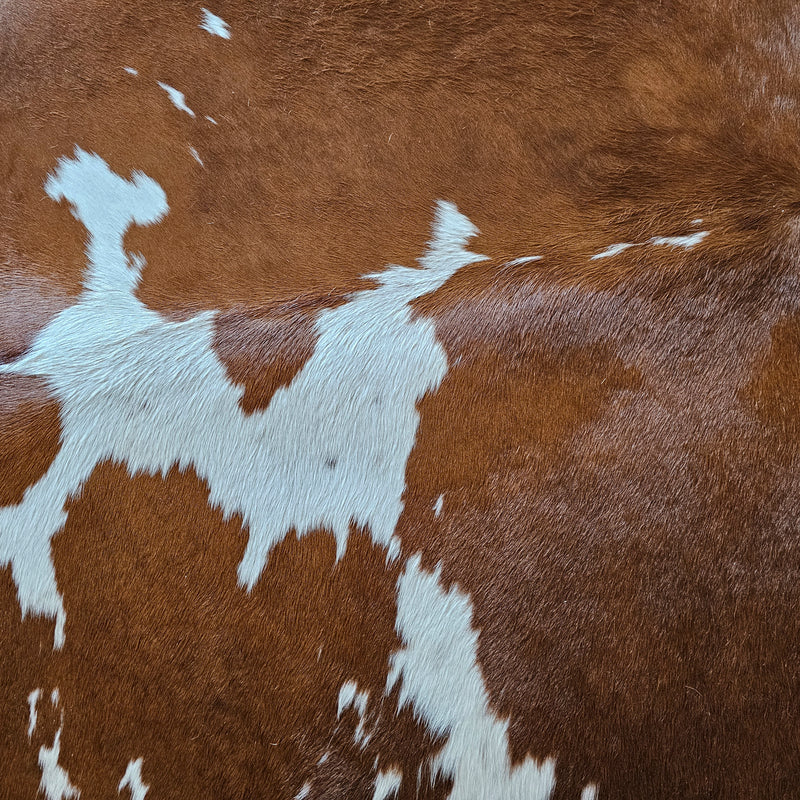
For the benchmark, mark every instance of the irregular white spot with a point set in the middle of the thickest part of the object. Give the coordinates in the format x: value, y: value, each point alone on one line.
x: 387, y: 784
x: 132, y: 779
x: 55, y: 783
x: 524, y: 260
x: 33, y: 699
x: 442, y: 682
x: 612, y: 250
x: 438, y: 505
x: 131, y: 70
x: 697, y: 221
x: 196, y: 156
x: 680, y: 241
x: 305, y: 790
x: 178, y: 98
x: 211, y: 120
x: 590, y: 790
x: 215, y: 25
x: 151, y: 393
x: 324, y: 757
x: 349, y: 696
x: 54, y: 696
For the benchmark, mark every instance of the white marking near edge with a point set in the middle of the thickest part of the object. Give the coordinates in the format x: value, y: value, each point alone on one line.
x: 132, y: 779
x: 329, y: 451
x: 613, y: 250
x: 215, y: 25
x: 387, y: 784
x: 305, y: 790
x: 438, y: 505
x: 55, y: 783
x: 686, y: 242
x: 131, y: 70
x: 178, y: 98
x: 442, y: 682
x: 33, y: 699
x: 589, y: 792
x: 196, y: 156
x: 211, y: 120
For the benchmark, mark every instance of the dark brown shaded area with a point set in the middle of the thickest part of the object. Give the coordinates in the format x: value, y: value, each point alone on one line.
x: 224, y: 694
x: 775, y: 390
x: 619, y: 517
x: 30, y: 434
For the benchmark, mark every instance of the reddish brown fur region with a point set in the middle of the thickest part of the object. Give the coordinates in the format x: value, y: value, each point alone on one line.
x: 224, y: 694
x: 264, y: 348
x: 30, y: 434
x: 615, y: 441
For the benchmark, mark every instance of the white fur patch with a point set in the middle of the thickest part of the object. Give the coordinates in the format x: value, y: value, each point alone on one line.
x: 350, y: 697
x: 589, y: 792
x: 523, y: 260
x: 612, y: 250
x: 686, y: 242
x: 132, y: 779
x: 438, y: 505
x: 215, y: 25
x: 304, y: 792
x: 442, y: 682
x: 55, y: 783
x: 196, y: 156
x: 178, y: 98
x: 328, y: 452
x: 33, y: 700
x: 387, y: 784
x: 131, y: 70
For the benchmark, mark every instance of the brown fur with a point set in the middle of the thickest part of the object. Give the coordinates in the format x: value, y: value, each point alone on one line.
x: 616, y: 439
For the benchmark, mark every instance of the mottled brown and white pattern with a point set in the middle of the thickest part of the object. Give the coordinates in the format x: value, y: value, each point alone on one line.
x: 399, y: 400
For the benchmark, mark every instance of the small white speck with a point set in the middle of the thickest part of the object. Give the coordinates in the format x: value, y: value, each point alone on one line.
x: 613, y: 250
x: 211, y: 120
x: 54, y: 697
x: 304, y: 791
x: 131, y: 70
x: 524, y: 260
x: 178, y: 99
x: 686, y: 242
x: 33, y: 699
x: 438, y: 505
x: 196, y: 156
x: 697, y: 221
x: 215, y: 25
